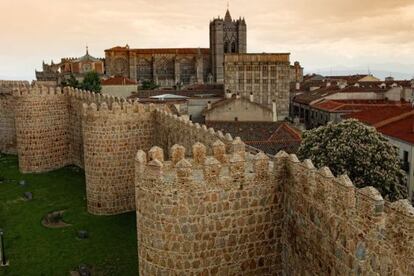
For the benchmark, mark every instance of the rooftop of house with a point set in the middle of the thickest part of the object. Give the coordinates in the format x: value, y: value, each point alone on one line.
x: 232, y: 99
x: 344, y: 106
x: 307, y: 97
x: 396, y: 121
x: 388, y: 84
x: 349, y: 78
x: 269, y: 137
x: 163, y: 97
x: 402, y: 129
x: 377, y: 115
x: 196, y: 90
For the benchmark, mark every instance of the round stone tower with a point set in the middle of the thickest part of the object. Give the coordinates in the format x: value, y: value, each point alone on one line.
x: 42, y: 123
x: 112, y: 134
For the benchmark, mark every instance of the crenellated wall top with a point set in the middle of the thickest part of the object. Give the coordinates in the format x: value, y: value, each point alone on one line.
x: 338, y: 195
x: 199, y: 171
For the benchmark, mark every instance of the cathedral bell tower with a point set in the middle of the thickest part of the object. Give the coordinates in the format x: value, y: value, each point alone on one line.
x: 226, y: 36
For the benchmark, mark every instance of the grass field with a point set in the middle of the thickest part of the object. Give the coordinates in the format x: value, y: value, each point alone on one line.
x: 33, y: 249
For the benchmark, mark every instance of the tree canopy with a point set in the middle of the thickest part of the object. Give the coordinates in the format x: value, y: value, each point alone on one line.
x: 149, y: 85
x: 91, y: 82
x: 365, y: 155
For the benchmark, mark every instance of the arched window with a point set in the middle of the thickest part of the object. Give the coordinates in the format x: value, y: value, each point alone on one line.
x: 233, y: 47
x: 226, y: 47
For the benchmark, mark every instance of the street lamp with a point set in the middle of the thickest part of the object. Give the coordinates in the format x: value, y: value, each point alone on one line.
x: 3, y: 261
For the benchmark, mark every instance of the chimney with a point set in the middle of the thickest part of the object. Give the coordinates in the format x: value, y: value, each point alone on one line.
x: 274, y: 111
x: 238, y: 96
x: 209, y: 105
x: 297, y: 85
x: 251, y: 97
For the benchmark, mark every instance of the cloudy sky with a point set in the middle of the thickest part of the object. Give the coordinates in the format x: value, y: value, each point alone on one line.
x: 324, y: 35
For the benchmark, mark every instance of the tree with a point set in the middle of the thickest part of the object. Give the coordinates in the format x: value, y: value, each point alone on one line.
x: 359, y: 151
x: 91, y: 82
x: 72, y: 82
x: 149, y: 85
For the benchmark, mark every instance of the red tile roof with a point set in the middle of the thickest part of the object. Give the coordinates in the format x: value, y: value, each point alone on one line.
x: 403, y: 83
x: 355, y: 89
x: 378, y: 116
x: 309, y: 96
x: 232, y: 99
x: 352, y: 105
x: 118, y: 81
x: 393, y: 121
x: 402, y: 129
x: 270, y: 137
x: 348, y: 78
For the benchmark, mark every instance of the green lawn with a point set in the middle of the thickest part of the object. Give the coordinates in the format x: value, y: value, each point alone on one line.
x: 33, y: 249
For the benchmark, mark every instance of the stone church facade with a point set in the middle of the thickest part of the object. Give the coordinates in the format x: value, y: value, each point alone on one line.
x: 171, y: 66
x: 58, y: 73
x: 165, y: 67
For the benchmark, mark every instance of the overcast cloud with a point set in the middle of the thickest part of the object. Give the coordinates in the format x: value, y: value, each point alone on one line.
x: 321, y: 34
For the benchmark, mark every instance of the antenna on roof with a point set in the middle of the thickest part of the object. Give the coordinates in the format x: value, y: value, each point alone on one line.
x: 369, y: 70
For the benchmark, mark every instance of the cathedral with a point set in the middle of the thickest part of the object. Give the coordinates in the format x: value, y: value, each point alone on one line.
x: 168, y: 67
x: 265, y: 76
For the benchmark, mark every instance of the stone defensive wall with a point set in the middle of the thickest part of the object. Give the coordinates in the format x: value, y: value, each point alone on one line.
x: 244, y: 214
x: 204, y: 204
x: 332, y: 228
x: 171, y: 129
x: 53, y: 128
x: 8, y: 143
x: 204, y: 214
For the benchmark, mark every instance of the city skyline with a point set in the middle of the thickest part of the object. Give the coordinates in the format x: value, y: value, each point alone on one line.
x: 324, y: 37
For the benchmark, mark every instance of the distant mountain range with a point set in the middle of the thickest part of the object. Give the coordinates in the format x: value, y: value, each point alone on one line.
x: 397, y: 71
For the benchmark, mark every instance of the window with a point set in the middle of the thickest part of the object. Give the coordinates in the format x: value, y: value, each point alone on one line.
x: 236, y: 119
x: 226, y: 47
x: 405, y: 162
x: 233, y: 47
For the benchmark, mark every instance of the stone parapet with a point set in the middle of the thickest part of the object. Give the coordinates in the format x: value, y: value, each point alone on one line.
x: 331, y: 227
x: 171, y: 129
x: 207, y: 218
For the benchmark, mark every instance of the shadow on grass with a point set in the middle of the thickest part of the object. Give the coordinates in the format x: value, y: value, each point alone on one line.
x: 33, y: 249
